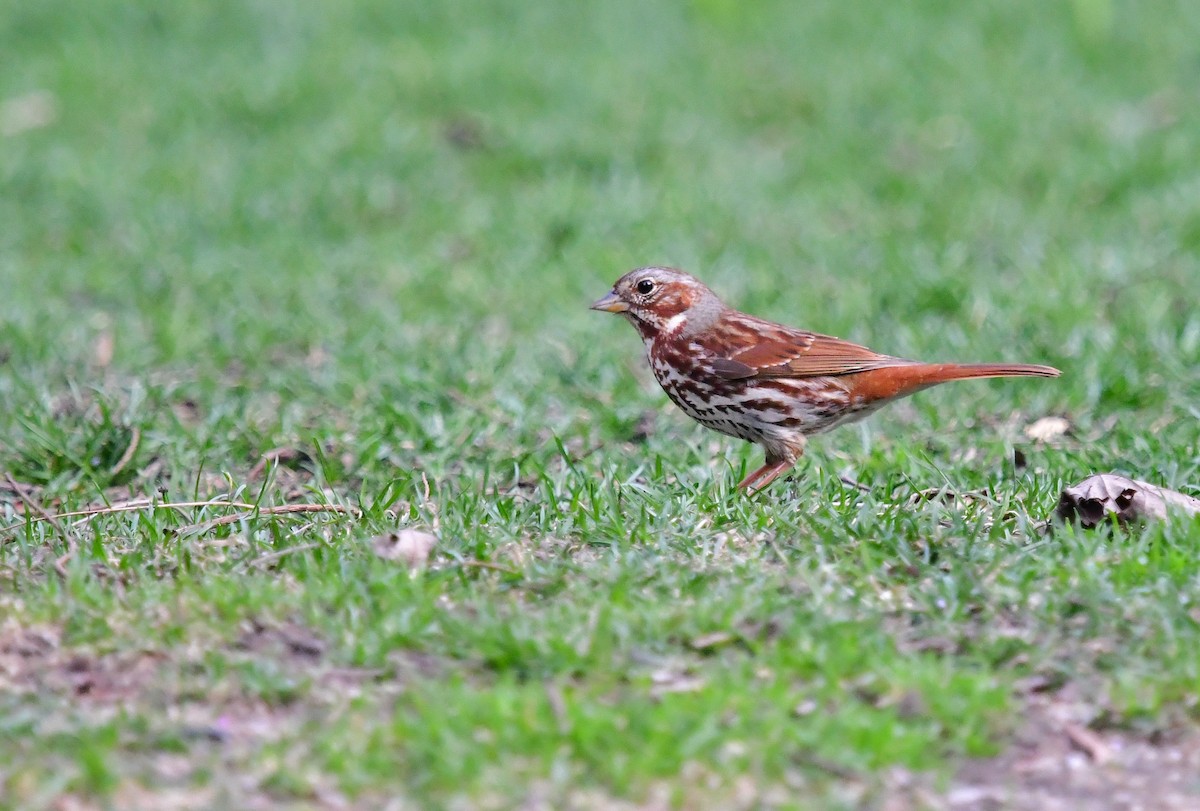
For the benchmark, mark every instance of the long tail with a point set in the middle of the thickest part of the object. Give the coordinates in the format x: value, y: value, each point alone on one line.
x: 908, y: 378
x: 966, y: 371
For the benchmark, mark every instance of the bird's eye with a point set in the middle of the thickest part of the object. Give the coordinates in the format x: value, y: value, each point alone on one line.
x: 645, y: 287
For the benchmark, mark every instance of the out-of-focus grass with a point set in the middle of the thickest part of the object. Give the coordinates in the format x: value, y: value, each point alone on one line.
x: 367, y: 233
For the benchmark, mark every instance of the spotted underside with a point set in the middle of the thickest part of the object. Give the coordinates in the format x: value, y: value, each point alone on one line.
x: 776, y: 413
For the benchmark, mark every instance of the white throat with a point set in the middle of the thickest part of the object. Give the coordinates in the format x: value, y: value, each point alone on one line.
x: 675, y: 323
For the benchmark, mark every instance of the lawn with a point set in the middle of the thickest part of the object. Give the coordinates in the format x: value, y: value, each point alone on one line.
x: 339, y: 256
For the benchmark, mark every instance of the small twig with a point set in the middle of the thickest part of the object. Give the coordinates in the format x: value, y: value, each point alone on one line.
x: 283, y: 509
x: 857, y: 485
x: 274, y: 556
x: 120, y: 506
x: 132, y: 506
x: 24, y: 492
x: 12, y: 485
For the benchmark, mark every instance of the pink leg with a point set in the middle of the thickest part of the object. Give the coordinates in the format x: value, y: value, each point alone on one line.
x: 759, y: 479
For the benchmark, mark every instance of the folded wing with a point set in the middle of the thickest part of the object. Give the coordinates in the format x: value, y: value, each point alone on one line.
x: 792, y: 353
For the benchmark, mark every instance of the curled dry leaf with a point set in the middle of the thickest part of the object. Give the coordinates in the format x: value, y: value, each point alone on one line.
x: 410, y: 546
x: 1107, y: 496
x: 1047, y: 429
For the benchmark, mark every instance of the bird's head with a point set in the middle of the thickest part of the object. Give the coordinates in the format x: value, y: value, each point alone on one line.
x: 662, y: 300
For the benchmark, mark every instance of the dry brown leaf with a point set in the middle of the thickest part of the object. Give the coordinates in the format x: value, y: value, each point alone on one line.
x: 1108, y: 496
x: 410, y: 546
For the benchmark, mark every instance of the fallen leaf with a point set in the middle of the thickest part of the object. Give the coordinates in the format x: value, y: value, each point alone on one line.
x: 1108, y: 496
x: 1047, y: 429
x: 411, y: 546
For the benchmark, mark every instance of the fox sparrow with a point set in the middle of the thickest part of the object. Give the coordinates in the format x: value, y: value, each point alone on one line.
x: 761, y: 381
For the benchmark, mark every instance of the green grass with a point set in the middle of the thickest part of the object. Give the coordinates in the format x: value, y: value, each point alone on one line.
x: 368, y: 233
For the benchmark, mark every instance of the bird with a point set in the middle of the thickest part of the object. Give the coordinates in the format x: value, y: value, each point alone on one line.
x: 763, y: 382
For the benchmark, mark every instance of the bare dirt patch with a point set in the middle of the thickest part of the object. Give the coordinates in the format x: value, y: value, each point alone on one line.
x: 1058, y: 761
x: 32, y: 661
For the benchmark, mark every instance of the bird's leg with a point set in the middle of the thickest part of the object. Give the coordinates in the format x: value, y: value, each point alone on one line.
x: 779, y: 461
x: 766, y: 474
x: 752, y: 477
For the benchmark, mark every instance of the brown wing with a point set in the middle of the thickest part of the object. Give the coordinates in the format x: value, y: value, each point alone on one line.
x: 792, y: 353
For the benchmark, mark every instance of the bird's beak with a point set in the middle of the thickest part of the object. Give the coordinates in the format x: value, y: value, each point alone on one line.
x: 610, y: 304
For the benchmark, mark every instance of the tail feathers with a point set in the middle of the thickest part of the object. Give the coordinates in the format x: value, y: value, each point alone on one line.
x: 907, y: 378
x: 940, y: 372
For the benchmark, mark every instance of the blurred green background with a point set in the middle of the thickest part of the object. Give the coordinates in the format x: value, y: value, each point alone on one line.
x: 370, y: 231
